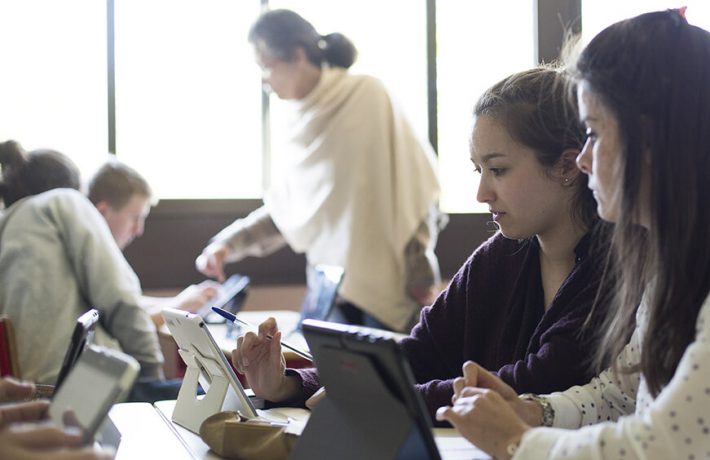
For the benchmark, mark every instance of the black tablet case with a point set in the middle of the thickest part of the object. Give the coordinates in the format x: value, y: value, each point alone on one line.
x: 83, y: 333
x: 371, y: 410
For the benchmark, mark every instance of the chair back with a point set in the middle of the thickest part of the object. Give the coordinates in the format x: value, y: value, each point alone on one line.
x: 323, y: 284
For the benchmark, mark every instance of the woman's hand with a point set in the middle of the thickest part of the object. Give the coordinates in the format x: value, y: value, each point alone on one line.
x: 211, y: 261
x: 42, y: 441
x: 486, y: 411
x: 30, y: 411
x: 476, y: 376
x: 261, y: 361
x: 14, y: 390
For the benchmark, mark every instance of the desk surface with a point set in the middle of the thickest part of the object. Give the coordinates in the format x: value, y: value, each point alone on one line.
x: 148, y: 432
x: 194, y: 443
x: 145, y: 434
x: 452, y: 446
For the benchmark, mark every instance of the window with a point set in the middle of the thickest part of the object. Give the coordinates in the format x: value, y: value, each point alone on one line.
x: 53, y: 84
x: 187, y: 91
x: 188, y: 95
x: 598, y: 14
x: 474, y: 51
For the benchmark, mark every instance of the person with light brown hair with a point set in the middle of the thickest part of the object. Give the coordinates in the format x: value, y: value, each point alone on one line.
x: 124, y: 198
x: 57, y: 260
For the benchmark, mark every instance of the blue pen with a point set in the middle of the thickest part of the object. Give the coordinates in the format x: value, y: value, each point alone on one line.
x: 233, y: 318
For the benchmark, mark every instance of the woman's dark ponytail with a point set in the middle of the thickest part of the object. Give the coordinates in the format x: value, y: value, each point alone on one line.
x: 282, y: 31
x: 25, y: 174
x: 338, y: 51
x: 13, y: 161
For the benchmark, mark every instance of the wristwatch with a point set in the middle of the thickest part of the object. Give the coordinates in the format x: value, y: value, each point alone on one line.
x: 548, y: 413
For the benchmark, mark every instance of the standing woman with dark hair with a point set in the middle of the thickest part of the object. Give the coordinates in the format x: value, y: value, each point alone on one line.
x: 360, y: 189
x: 57, y: 260
x: 644, y: 95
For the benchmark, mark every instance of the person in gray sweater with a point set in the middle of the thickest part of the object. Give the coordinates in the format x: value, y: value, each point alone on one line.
x: 57, y: 260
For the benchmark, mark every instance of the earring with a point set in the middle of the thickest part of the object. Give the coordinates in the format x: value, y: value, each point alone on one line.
x: 566, y: 180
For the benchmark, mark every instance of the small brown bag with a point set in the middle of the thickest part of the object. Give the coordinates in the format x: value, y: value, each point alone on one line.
x: 232, y: 436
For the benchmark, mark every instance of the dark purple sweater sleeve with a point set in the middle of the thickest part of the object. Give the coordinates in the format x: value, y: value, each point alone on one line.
x: 560, y: 358
x: 464, y: 321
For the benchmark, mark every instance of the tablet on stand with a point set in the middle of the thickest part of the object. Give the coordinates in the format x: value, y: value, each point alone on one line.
x: 208, y: 367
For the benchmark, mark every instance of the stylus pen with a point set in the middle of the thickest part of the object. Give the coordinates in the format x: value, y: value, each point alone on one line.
x: 233, y: 318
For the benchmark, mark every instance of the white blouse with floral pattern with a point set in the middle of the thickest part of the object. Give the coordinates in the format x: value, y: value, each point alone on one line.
x: 618, y: 418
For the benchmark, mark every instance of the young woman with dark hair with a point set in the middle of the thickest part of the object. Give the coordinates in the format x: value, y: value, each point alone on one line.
x: 519, y: 303
x: 644, y: 95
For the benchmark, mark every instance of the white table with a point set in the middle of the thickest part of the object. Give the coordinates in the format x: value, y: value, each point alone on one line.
x: 452, y: 446
x: 195, y: 444
x: 146, y: 434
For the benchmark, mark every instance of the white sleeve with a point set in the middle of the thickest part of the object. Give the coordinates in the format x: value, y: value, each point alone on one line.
x: 674, y: 425
x: 606, y: 397
x: 254, y: 235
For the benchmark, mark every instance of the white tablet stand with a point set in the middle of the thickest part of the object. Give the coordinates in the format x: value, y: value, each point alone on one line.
x: 206, y: 365
x: 192, y: 409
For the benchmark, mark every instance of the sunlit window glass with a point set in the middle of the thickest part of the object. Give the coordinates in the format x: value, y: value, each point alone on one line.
x: 53, y: 82
x: 188, y: 107
x: 390, y: 48
x: 478, y: 43
x: 598, y: 14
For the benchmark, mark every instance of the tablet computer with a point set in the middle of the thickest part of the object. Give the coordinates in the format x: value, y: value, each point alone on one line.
x: 230, y: 296
x: 369, y: 392
x: 99, y: 378
x: 82, y: 335
x: 208, y: 366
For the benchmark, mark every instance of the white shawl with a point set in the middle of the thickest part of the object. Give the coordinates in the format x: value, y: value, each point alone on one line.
x: 357, y: 186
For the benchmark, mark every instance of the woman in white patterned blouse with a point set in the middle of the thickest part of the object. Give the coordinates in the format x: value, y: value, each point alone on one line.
x: 644, y: 95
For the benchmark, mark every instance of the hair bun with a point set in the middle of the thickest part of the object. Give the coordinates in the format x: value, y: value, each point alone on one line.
x: 11, y: 153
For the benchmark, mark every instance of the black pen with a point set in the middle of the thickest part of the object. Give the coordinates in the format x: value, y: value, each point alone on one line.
x: 233, y: 318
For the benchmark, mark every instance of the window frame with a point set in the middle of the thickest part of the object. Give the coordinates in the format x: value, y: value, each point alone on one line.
x: 549, y: 17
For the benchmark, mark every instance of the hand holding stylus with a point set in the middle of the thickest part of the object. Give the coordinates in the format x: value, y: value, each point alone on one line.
x: 233, y: 318
x: 258, y: 356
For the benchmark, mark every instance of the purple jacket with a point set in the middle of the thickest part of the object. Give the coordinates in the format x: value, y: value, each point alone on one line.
x: 493, y: 313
